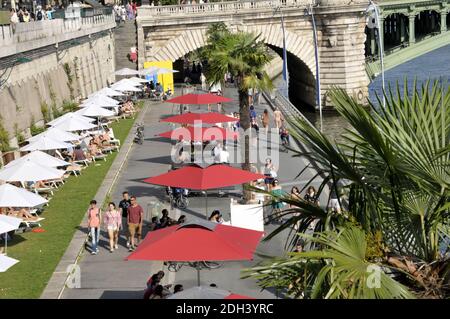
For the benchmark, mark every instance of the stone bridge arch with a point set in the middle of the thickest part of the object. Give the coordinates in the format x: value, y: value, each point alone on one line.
x: 272, y: 35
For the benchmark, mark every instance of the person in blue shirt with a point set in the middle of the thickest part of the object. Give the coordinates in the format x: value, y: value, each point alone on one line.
x: 252, y: 112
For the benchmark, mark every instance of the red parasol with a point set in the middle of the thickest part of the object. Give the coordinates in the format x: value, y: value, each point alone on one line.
x: 211, y: 177
x: 198, y: 241
x: 205, y: 98
x: 200, y: 134
x: 203, y: 118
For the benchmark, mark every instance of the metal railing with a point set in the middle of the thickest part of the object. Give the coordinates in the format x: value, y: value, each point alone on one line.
x: 228, y: 6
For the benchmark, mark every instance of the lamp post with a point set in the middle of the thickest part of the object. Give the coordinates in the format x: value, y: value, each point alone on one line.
x: 375, y: 10
x: 310, y: 11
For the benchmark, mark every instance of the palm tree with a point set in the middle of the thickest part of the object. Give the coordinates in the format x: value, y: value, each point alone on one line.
x: 395, y: 162
x: 244, y: 56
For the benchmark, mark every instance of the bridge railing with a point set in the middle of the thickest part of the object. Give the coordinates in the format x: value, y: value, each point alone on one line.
x: 31, y: 35
x: 228, y: 6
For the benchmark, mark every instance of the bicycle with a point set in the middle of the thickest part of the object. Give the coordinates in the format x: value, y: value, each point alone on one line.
x: 175, y: 266
x: 139, y: 134
x: 178, y: 198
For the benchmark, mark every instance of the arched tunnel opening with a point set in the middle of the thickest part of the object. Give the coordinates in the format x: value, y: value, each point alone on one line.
x: 302, y: 84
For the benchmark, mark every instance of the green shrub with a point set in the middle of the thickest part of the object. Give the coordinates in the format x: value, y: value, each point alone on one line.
x: 45, y: 112
x: 4, y: 139
x: 69, y: 106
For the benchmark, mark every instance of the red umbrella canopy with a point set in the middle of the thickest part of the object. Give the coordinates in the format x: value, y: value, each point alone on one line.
x: 200, y: 134
x: 211, y: 177
x: 202, y: 118
x: 206, y: 98
x: 198, y: 241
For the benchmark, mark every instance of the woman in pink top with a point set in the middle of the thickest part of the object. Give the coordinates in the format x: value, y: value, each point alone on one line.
x: 113, y: 223
x: 94, y: 218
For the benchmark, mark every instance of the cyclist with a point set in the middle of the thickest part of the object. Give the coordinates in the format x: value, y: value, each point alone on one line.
x: 284, y: 135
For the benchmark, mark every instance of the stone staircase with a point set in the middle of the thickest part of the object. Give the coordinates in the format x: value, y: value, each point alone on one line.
x: 126, y: 37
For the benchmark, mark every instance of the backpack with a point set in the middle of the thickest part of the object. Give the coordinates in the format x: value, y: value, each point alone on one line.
x: 39, y: 15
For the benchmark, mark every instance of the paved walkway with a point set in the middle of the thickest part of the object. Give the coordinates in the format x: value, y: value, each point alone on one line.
x: 108, y: 275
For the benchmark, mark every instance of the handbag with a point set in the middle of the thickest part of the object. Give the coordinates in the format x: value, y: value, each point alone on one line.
x: 273, y: 174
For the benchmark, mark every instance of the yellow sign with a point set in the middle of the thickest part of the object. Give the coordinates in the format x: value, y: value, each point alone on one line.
x: 166, y: 80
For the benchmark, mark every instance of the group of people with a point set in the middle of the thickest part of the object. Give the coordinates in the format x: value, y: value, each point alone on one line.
x: 125, y: 12
x: 128, y: 216
x: 155, y: 290
x: 23, y: 15
x: 97, y: 145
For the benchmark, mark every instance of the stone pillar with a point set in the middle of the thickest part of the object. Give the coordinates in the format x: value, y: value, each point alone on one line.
x: 412, y: 29
x: 402, y: 29
x: 141, y: 45
x: 432, y: 25
x: 444, y: 20
x: 373, y: 42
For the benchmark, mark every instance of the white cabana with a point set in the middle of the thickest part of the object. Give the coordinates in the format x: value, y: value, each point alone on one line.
x: 45, y: 143
x: 107, y: 92
x: 75, y: 124
x: 138, y: 80
x: 125, y: 87
x: 29, y: 171
x: 126, y: 71
x: 130, y: 82
x: 6, y: 262
x: 95, y: 111
x: 67, y: 116
x: 56, y: 134
x: 12, y: 196
x: 40, y: 158
x: 101, y: 100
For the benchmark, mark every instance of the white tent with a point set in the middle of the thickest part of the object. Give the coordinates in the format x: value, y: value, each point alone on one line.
x: 138, y: 80
x: 6, y: 263
x: 125, y: 87
x: 56, y: 134
x: 29, y: 171
x: 67, y: 116
x: 40, y: 158
x: 126, y: 71
x: 74, y: 124
x: 128, y: 81
x: 101, y: 100
x: 45, y: 143
x: 107, y: 92
x: 95, y: 111
x: 12, y: 196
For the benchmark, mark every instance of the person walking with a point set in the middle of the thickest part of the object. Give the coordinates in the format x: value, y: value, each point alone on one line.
x: 278, y: 118
x: 270, y: 173
x: 311, y: 195
x: 135, y: 219
x: 334, y: 204
x: 123, y: 205
x: 277, y: 204
x: 94, y: 220
x: 113, y: 222
x: 265, y: 121
x: 203, y: 81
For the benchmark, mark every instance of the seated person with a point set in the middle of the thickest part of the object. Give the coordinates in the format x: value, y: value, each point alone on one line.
x: 93, y: 149
x: 154, y: 225
x: 22, y: 213
x: 165, y: 220
x: 284, y: 135
x: 159, y: 89
x: 78, y: 154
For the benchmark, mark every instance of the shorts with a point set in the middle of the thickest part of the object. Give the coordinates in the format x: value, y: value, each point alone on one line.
x: 135, y: 229
x: 268, y: 179
x: 113, y: 228
x: 334, y: 204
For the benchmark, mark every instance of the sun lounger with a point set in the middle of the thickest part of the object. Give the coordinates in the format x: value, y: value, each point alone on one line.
x: 99, y: 157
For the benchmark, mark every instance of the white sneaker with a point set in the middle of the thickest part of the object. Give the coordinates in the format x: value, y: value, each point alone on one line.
x: 128, y: 244
x: 116, y: 247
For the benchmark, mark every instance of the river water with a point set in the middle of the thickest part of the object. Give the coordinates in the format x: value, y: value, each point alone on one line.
x: 431, y: 66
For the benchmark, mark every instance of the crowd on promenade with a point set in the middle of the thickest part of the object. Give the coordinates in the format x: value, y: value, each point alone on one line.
x: 21, y: 14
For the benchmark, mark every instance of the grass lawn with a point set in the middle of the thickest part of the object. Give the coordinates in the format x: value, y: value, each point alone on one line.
x: 39, y: 253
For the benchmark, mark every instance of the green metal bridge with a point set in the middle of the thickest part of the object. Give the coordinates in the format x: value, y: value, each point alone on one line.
x: 408, y: 28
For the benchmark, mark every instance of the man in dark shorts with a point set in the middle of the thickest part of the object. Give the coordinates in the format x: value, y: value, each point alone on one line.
x: 135, y: 220
x: 123, y: 205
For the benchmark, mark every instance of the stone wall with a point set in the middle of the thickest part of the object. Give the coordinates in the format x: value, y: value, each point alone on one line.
x: 46, y: 81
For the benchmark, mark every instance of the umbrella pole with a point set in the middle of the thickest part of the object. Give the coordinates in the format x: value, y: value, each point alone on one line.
x: 198, y: 274
x: 206, y: 204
